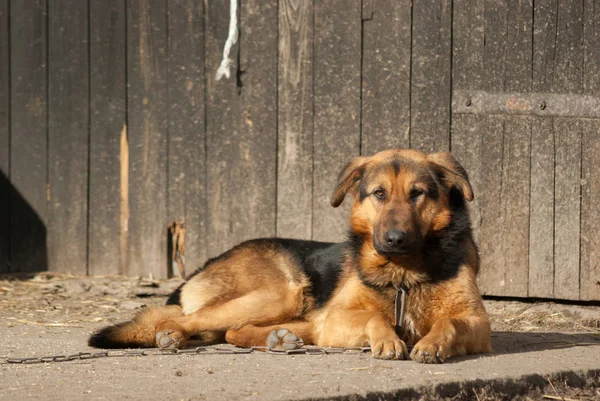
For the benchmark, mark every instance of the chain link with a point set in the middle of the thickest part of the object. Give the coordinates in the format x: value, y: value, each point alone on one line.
x: 212, y: 350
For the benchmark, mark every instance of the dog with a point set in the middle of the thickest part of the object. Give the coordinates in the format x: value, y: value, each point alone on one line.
x: 409, y: 229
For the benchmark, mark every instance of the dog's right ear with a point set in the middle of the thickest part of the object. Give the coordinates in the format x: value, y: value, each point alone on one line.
x: 348, y: 179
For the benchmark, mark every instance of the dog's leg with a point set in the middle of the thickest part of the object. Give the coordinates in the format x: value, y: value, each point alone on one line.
x: 257, y: 307
x: 357, y: 328
x: 453, y: 337
x: 290, y: 335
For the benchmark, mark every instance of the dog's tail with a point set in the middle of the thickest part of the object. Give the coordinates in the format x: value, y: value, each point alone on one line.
x: 137, y: 333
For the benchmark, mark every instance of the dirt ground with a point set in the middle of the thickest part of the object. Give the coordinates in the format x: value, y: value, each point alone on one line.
x: 542, y: 350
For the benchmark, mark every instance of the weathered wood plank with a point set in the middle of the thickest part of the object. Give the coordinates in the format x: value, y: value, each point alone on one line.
x: 591, y: 51
x: 518, y: 57
x: 466, y: 147
x: 431, y: 75
x: 5, y: 188
x: 336, y: 108
x: 28, y: 155
x: 295, y: 126
x: 541, y: 210
x: 187, y: 136
x: 590, y: 213
x: 495, y: 21
x: 478, y: 144
x: 107, y: 120
x: 468, y: 44
x: 544, y: 45
x: 568, y: 51
x: 256, y: 175
x: 567, y: 208
x: 386, y: 75
x: 223, y: 118
x: 68, y: 135
x: 241, y: 128
x: 147, y: 129
x: 514, y: 197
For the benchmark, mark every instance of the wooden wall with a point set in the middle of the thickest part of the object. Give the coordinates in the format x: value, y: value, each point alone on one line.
x: 112, y: 126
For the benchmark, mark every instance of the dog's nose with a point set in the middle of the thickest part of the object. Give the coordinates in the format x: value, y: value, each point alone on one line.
x: 395, y: 238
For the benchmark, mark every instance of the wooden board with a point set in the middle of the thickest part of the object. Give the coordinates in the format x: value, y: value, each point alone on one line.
x: 241, y: 128
x: 590, y: 217
x: 187, y: 137
x: 147, y: 132
x: 295, y: 120
x: 514, y: 203
x: 386, y: 37
x: 568, y: 58
x: 5, y: 188
x: 567, y: 207
x: 336, y: 109
x: 28, y: 114
x: 590, y: 213
x: 107, y: 120
x: 223, y: 120
x: 541, y: 210
x: 68, y: 136
x: 468, y: 44
x: 431, y: 75
x: 255, y: 178
x: 478, y: 144
x: 591, y: 50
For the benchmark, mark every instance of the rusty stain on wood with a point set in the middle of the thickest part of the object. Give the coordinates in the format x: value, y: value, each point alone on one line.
x: 177, y: 231
x: 124, y: 197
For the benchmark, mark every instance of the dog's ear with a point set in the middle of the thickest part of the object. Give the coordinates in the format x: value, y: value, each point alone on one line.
x: 348, y: 180
x: 453, y: 174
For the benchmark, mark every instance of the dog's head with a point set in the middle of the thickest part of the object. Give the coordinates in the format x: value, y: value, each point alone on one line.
x: 402, y: 198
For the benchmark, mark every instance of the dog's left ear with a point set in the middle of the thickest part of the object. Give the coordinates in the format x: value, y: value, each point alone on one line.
x: 453, y: 174
x: 348, y: 179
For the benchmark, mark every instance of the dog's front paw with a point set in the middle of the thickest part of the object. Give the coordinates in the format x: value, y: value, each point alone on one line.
x: 389, y: 349
x: 283, y: 340
x: 429, y: 352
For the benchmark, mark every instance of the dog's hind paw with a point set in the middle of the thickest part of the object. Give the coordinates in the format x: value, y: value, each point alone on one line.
x: 170, y: 339
x: 283, y: 340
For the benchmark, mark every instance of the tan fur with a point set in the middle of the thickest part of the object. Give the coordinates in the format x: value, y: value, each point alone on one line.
x: 254, y: 289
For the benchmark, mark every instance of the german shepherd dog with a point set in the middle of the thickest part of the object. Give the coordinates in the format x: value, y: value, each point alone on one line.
x: 409, y: 227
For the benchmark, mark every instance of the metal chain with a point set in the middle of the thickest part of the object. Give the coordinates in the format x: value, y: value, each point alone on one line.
x: 310, y: 350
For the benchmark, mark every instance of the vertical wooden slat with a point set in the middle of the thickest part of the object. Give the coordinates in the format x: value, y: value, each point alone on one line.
x: 467, y: 72
x: 68, y: 111
x: 514, y: 198
x: 147, y: 130
x: 590, y: 212
x: 386, y: 75
x: 336, y: 108
x: 478, y: 143
x: 295, y: 127
x: 541, y: 210
x: 28, y: 151
x: 514, y: 194
x: 568, y: 78
x: 222, y: 132
x: 107, y: 120
x: 5, y: 188
x: 541, y: 206
x: 567, y: 208
x: 241, y: 127
x: 431, y: 73
x: 187, y: 137
x: 256, y: 176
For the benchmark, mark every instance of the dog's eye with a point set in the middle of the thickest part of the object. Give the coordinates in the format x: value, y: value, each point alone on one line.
x: 379, y: 193
x: 415, y: 193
